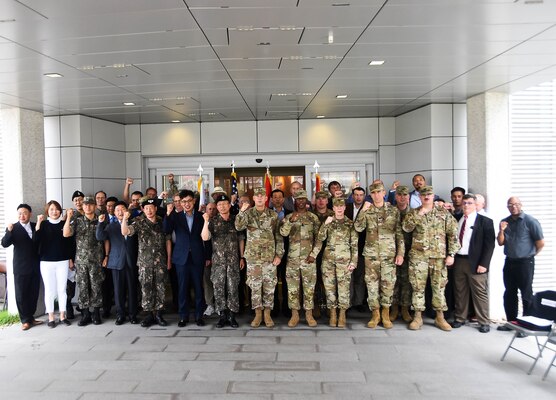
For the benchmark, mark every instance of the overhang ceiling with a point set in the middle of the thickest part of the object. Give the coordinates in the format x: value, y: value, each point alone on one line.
x: 231, y: 60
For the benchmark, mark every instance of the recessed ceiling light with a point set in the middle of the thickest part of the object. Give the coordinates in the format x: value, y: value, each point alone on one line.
x: 175, y: 121
x: 320, y: 116
x: 376, y: 62
x: 54, y: 75
x: 341, y: 96
x: 211, y: 113
x: 128, y: 103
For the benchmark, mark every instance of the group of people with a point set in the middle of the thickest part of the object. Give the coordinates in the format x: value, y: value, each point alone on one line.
x: 327, y: 253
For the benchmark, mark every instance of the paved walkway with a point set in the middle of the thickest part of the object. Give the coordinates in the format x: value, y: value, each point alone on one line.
x: 130, y: 362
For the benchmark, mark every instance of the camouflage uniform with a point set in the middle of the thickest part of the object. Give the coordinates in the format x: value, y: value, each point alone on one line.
x: 434, y: 238
x: 151, y: 261
x: 225, y: 263
x: 320, y: 295
x: 384, y: 241
x: 88, y: 261
x: 302, y: 236
x: 264, y: 242
x: 402, y: 289
x: 340, y: 251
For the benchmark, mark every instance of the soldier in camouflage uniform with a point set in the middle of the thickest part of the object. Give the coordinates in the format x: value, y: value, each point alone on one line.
x: 339, y: 260
x: 402, y: 289
x: 433, y: 247
x: 302, y: 228
x: 383, y: 251
x: 227, y: 246
x: 153, y: 260
x: 89, y: 257
x: 263, y: 252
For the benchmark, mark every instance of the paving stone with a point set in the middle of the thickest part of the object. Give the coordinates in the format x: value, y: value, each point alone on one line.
x: 158, y: 356
x: 227, y: 376
x: 212, y: 366
x: 134, y: 374
x: 227, y: 396
x: 207, y: 348
x: 239, y: 356
x: 93, y: 386
x: 213, y: 333
x: 317, y: 340
x: 111, y: 365
x: 158, y: 386
x: 62, y: 395
x: 277, y: 366
x: 125, y: 396
x: 320, y: 376
x: 273, y: 387
x: 276, y: 348
x: 340, y: 357
x: 54, y: 374
x: 242, y: 340
x: 279, y: 332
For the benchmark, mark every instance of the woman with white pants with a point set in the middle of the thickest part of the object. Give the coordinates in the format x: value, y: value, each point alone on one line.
x: 55, y: 253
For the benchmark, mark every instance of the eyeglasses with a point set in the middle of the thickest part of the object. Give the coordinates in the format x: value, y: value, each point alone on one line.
x: 514, y: 205
x: 187, y: 201
x: 468, y: 202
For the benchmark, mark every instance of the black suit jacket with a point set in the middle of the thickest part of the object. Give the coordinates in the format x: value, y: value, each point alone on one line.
x: 481, y: 245
x: 26, y: 255
x: 123, y: 250
x: 186, y: 240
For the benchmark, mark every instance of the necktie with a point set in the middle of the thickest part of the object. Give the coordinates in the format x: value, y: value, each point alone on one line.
x: 462, y: 231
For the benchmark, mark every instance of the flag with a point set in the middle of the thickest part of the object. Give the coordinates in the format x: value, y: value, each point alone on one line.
x: 234, y: 183
x: 317, y: 182
x: 201, y: 191
x: 268, y: 186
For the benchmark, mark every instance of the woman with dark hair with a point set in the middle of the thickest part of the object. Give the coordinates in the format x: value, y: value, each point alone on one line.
x: 55, y: 253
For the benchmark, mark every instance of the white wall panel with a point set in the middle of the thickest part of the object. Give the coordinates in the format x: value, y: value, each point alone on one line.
x: 387, y: 131
x: 133, y: 165
x: 460, y: 152
x: 460, y: 178
x: 414, y: 125
x: 71, y: 162
x: 441, y: 120
x: 460, y: 119
x: 277, y: 136
x: 109, y: 164
x: 443, y: 182
x: 133, y: 137
x: 441, y: 153
x: 70, y: 129
x: 51, y: 131
x: 414, y: 156
x: 338, y: 134
x: 53, y: 191
x: 112, y: 187
x: 108, y: 135
x: 52, y: 165
x: 170, y: 139
x: 229, y: 137
x: 387, y: 156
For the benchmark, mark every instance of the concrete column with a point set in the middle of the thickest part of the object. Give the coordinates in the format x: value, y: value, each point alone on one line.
x: 25, y: 172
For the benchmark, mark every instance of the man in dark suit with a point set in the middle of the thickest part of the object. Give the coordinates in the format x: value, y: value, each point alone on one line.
x: 26, y: 267
x: 122, y: 261
x: 358, y: 287
x: 188, y: 255
x: 476, y: 236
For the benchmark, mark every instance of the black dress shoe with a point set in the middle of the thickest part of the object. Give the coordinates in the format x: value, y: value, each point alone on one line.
x: 85, y: 318
x: 52, y: 324
x: 503, y: 328
x: 200, y: 322
x: 96, y: 316
x: 147, y: 321
x: 160, y: 320
x: 484, y: 328
x: 120, y: 320
x: 65, y: 322
x: 457, y: 324
x: 133, y: 320
x: 182, y: 323
x: 521, y: 335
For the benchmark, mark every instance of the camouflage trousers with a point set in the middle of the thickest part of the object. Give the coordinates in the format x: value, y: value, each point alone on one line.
x: 419, y: 270
x: 153, y: 287
x: 402, y: 289
x: 298, y: 271
x: 261, y: 278
x: 336, y: 278
x: 89, y: 278
x: 380, y: 277
x: 225, y: 282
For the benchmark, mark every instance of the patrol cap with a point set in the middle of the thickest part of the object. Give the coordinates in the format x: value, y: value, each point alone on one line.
x: 338, y: 202
x: 148, y: 201
x: 426, y: 190
x: 402, y: 190
x: 259, y: 190
x: 321, y: 195
x: 77, y: 193
x: 89, y: 200
x: 221, y: 197
x: 376, y: 187
x: 301, y: 194
x: 218, y: 190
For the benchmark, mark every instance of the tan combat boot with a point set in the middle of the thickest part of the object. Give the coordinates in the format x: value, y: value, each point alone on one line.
x: 258, y: 318
x: 394, y: 311
x: 417, y: 322
x: 441, y: 323
x: 342, y: 318
x: 375, y: 319
x: 386, y: 323
x: 406, y: 316
x: 309, y: 318
x: 333, y: 322
x: 294, y: 320
x: 267, y: 318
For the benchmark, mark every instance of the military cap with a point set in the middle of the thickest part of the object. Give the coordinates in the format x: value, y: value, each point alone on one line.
x: 221, y: 197
x: 321, y: 195
x: 259, y: 190
x: 89, y: 200
x: 218, y: 190
x: 376, y: 187
x: 338, y: 202
x: 402, y: 190
x: 426, y: 190
x: 148, y: 201
x: 77, y: 193
x: 301, y: 194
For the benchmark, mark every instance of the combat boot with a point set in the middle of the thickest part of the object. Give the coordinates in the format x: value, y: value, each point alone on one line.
x: 309, y: 318
x: 85, y: 317
x: 386, y: 323
x: 222, y: 320
x: 441, y: 323
x: 394, y: 311
x: 333, y: 322
x: 96, y: 316
x: 406, y: 316
x: 417, y: 322
x: 232, y: 319
x: 294, y: 320
x: 342, y: 318
x: 258, y: 318
x: 159, y: 319
x: 375, y: 319
x: 267, y: 318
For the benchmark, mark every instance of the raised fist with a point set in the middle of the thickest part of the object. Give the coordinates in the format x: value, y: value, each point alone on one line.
x: 127, y: 215
x: 206, y: 217
x: 366, y: 206
x: 169, y: 208
x: 245, y: 206
x: 69, y: 213
x: 40, y: 218
x: 10, y: 227
x: 101, y: 217
x: 129, y: 181
x: 328, y: 220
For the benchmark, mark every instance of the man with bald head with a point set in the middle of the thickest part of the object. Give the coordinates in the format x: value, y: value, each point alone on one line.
x: 522, y: 238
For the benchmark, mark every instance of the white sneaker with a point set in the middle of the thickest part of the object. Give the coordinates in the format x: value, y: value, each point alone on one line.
x: 209, y: 311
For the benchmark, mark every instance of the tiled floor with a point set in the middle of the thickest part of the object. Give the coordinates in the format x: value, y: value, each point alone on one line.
x: 130, y: 362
